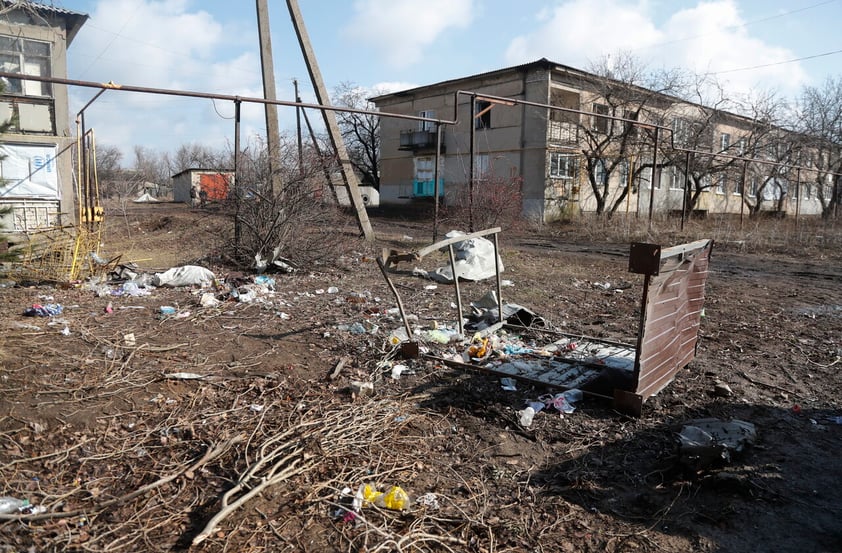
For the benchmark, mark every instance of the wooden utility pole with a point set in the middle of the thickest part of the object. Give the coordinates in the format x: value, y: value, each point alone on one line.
x: 349, y: 178
x: 273, y: 137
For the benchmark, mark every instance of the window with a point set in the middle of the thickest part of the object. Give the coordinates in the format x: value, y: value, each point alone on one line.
x: 428, y: 126
x: 720, y: 183
x: 676, y: 178
x: 601, y: 124
x: 630, y: 128
x: 724, y: 141
x: 562, y: 166
x: 752, y: 186
x: 623, y: 169
x: 741, y: 147
x: 600, y: 173
x: 30, y: 57
x: 680, y: 131
x: 482, y: 117
x: 482, y: 165
x: 564, y: 99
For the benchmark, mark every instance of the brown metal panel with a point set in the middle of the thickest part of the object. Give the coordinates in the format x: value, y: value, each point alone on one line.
x: 672, y: 313
x: 644, y: 258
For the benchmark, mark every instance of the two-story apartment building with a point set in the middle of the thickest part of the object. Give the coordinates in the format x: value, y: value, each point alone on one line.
x: 36, y: 167
x: 572, y: 162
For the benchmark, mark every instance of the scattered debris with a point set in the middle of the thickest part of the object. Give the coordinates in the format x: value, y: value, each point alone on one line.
x: 187, y: 275
x: 706, y: 443
x: 48, y: 310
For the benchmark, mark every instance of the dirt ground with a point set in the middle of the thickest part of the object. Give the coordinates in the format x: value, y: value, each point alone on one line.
x: 102, y: 424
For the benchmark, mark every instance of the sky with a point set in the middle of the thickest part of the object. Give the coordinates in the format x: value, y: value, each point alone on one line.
x: 388, y: 45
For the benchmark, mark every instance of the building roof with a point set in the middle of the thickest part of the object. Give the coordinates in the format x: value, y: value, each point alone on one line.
x: 541, y: 63
x: 74, y: 20
x: 202, y: 170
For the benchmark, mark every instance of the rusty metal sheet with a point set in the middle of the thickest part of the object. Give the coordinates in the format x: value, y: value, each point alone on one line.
x: 673, y: 301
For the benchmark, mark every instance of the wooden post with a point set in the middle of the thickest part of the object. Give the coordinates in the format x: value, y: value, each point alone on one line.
x: 348, y: 176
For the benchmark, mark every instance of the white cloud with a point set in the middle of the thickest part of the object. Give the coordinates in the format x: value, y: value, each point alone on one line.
x: 580, y: 30
x: 387, y: 87
x: 710, y: 37
x: 171, y: 44
x: 400, y: 30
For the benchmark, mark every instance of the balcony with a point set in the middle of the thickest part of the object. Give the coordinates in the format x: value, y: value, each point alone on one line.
x: 563, y: 132
x: 415, y: 140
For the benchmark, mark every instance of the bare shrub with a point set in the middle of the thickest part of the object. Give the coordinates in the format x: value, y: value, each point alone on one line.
x: 299, y: 219
x: 495, y: 201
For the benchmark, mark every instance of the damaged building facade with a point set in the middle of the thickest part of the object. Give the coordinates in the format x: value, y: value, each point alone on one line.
x: 565, y: 163
x: 36, y: 167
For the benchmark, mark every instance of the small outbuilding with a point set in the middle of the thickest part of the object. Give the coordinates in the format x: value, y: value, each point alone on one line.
x: 209, y: 184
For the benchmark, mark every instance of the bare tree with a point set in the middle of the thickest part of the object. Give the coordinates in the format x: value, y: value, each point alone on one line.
x: 196, y: 156
x: 622, y: 87
x: 819, y: 117
x: 361, y: 132
x: 151, y: 165
x: 108, y: 168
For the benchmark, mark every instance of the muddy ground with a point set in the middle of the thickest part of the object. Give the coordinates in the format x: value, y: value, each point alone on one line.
x: 126, y: 454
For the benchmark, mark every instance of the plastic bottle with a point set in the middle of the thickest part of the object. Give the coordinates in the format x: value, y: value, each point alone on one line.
x: 11, y: 505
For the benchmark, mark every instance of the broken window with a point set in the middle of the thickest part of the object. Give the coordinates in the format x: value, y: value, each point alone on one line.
x: 482, y: 117
x: 630, y: 128
x: 601, y: 124
x: 564, y: 99
x: 30, y: 57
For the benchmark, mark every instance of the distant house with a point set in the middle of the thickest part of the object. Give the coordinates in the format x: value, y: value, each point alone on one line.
x: 36, y: 169
x: 189, y: 184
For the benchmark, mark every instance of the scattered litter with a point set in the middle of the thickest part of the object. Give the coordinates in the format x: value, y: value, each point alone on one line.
x: 66, y: 330
x: 399, y: 370
x: 333, y: 290
x: 353, y: 328
x: 129, y: 339
x: 393, y: 498
x: 706, y: 442
x: 526, y: 415
x: 563, y: 402
x: 509, y: 384
x: 187, y: 275
x: 209, y: 300
x: 184, y: 376
x: 109, y: 308
x: 11, y: 505
x: 266, y: 281
x: 361, y: 388
x: 474, y: 261
x: 48, y: 310
x: 430, y: 287
x: 167, y: 310
x: 274, y: 263
x: 506, y: 283
x: 398, y: 336
x: 428, y: 500
x: 255, y: 408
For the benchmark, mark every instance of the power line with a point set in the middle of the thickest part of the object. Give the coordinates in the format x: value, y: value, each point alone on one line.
x: 775, y: 63
x: 738, y: 26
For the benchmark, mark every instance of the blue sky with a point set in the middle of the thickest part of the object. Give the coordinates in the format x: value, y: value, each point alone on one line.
x: 212, y: 46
